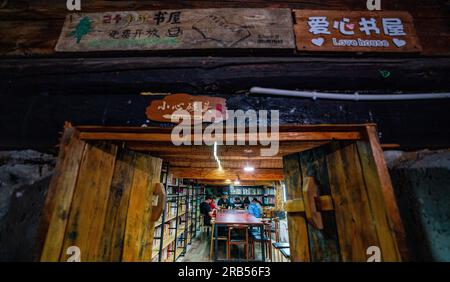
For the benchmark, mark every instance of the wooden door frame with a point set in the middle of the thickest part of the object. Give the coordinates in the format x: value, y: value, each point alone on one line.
x: 134, y: 136
x: 125, y: 184
x: 308, y: 133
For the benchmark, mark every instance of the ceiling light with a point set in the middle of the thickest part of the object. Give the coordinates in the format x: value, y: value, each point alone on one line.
x: 237, y: 182
x: 248, y: 168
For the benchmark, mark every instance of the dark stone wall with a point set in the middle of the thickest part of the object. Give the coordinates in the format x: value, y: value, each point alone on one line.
x: 24, y: 179
x: 422, y: 184
x: 18, y: 232
x: 36, y: 121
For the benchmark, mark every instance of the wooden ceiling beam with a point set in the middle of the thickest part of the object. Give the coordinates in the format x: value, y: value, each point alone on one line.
x: 162, y: 149
x: 286, y: 128
x: 232, y: 174
x: 170, y: 158
x: 248, y: 137
x: 213, y: 182
x: 184, y: 162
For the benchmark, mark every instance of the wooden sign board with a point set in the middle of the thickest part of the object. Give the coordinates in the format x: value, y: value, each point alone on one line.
x: 177, y: 29
x: 362, y: 31
x: 195, y: 106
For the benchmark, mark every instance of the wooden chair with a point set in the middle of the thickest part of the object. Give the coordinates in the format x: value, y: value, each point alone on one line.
x: 236, y: 239
x: 206, y: 230
x: 220, y: 238
x: 275, y: 229
x: 277, y: 255
x: 267, y: 240
x: 286, y: 252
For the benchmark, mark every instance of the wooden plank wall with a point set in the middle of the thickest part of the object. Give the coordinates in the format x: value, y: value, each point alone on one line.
x: 139, y: 233
x: 59, y: 195
x: 117, y: 207
x: 361, y: 217
x: 323, y: 243
x: 43, y: 19
x: 298, y: 232
x: 88, y: 210
x: 278, y: 196
x: 100, y: 201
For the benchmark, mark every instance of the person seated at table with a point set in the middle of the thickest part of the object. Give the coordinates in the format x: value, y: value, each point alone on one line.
x: 224, y: 202
x: 238, y: 203
x: 206, y: 211
x: 246, y: 202
x: 255, y: 208
x: 213, y: 206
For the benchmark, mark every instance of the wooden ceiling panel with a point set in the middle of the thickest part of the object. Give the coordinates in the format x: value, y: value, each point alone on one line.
x: 198, y: 162
x: 210, y: 173
x: 243, y: 152
x: 270, y: 163
x: 213, y: 182
x: 248, y: 137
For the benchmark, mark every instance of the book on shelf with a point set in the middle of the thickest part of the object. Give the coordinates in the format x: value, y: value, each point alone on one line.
x: 270, y: 191
x: 168, y: 253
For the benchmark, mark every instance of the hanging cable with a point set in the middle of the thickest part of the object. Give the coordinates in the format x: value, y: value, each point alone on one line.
x: 216, y: 157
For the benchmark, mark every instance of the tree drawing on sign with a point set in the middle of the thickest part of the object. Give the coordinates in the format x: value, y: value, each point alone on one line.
x: 217, y: 28
x: 82, y: 28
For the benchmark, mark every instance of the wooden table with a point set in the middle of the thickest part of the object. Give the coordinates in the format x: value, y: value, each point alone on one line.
x: 230, y: 217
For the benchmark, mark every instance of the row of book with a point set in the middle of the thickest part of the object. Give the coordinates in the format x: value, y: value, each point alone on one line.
x: 252, y: 191
x: 166, y: 254
x: 268, y: 201
x: 265, y: 200
x: 170, y: 211
x: 181, y: 197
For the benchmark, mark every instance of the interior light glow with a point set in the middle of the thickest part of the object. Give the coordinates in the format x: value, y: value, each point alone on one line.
x: 249, y: 168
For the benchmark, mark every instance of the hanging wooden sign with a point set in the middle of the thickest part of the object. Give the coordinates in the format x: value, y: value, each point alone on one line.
x: 192, y: 107
x: 362, y: 31
x: 177, y: 29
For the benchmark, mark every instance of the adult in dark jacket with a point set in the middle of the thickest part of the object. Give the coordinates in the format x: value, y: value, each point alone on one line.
x: 206, y: 211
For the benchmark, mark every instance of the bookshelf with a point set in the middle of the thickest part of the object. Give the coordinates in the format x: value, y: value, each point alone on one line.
x: 180, y: 220
x: 195, y: 222
x: 265, y: 194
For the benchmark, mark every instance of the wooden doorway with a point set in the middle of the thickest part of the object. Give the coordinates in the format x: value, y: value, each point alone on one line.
x: 341, y: 204
x: 100, y: 198
x: 99, y: 201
